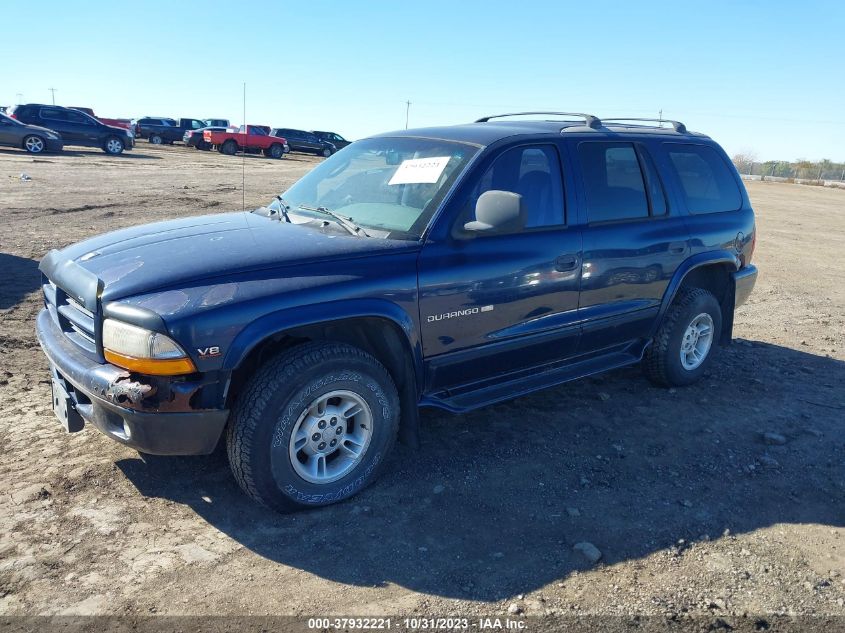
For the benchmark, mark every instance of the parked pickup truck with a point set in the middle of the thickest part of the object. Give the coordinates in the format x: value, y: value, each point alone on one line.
x: 450, y: 267
x: 158, y: 131
x: 249, y: 138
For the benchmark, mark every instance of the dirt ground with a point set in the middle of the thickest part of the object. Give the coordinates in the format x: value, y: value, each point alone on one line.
x: 695, y: 510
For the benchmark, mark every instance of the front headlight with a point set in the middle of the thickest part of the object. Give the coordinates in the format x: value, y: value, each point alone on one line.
x: 147, y: 352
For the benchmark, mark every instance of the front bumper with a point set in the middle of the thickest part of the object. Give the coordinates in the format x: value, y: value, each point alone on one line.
x: 54, y: 145
x: 90, y: 384
x: 744, y: 280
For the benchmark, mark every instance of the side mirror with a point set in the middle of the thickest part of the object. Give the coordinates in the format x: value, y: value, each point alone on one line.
x: 497, y: 211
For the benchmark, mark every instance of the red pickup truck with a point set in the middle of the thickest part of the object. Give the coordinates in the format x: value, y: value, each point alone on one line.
x: 248, y: 138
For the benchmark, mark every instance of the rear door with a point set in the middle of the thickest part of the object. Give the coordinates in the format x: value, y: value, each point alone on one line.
x: 634, y: 240
x: 495, y: 304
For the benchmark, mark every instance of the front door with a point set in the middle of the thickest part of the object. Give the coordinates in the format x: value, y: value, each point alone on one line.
x: 494, y: 304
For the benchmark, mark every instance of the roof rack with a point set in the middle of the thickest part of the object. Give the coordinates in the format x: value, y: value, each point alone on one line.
x: 589, y: 119
x: 676, y: 125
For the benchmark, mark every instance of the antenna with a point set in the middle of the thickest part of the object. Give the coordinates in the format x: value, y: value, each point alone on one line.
x: 243, y: 158
x: 407, y: 111
x: 53, y: 90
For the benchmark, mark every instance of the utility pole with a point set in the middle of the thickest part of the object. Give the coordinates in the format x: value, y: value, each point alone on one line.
x: 53, y: 90
x: 19, y: 97
x: 660, y: 117
x: 407, y: 112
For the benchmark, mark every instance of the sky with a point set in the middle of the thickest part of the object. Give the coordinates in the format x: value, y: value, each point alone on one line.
x: 761, y: 77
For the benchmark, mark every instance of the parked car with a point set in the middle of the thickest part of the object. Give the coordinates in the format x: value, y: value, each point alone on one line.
x: 248, y: 138
x: 302, y: 141
x: 451, y: 267
x: 32, y: 138
x: 158, y: 131
x: 224, y: 123
x: 124, y: 123
x: 332, y: 137
x: 75, y: 127
x: 194, y: 138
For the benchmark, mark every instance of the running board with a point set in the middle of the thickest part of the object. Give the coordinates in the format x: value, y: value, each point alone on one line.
x: 469, y: 397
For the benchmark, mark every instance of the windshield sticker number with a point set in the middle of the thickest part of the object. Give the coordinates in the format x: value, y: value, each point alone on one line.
x: 419, y: 170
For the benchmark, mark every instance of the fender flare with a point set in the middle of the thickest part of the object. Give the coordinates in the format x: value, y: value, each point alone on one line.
x: 691, y: 263
x: 280, y: 321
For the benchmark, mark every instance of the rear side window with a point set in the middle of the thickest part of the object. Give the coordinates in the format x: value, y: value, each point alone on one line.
x: 613, y: 181
x: 707, y: 183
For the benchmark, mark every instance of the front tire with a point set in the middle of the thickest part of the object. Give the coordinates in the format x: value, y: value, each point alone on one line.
x: 327, y: 152
x: 113, y: 146
x: 686, y: 340
x: 34, y: 144
x: 314, y: 426
x: 276, y: 151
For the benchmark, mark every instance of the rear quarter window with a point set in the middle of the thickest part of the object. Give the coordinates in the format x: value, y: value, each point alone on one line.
x: 706, y: 180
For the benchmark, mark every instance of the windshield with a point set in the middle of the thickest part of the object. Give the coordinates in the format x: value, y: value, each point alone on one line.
x: 392, y: 185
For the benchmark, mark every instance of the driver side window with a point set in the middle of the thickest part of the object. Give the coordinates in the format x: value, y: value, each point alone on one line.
x: 533, y: 172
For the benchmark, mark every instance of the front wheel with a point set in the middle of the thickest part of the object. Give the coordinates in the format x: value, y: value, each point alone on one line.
x: 113, y: 146
x: 686, y: 340
x: 314, y: 426
x: 34, y: 144
x: 327, y: 152
x: 276, y: 151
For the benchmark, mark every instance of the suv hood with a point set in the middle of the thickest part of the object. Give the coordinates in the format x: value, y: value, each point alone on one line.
x: 155, y: 256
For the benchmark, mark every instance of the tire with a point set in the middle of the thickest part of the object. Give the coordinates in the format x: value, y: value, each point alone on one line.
x: 673, y: 360
x: 276, y: 402
x: 230, y: 148
x: 276, y: 151
x: 155, y: 139
x: 113, y: 146
x: 34, y: 144
x: 327, y: 152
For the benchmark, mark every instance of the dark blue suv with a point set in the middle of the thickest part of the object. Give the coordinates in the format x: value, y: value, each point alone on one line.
x: 451, y: 267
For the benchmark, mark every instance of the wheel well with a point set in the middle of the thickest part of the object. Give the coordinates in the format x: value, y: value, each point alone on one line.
x: 380, y: 337
x: 716, y: 279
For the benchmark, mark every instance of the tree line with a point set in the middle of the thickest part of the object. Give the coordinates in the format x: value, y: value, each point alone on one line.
x: 825, y: 169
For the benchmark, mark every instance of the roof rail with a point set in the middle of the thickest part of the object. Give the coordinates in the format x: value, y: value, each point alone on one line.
x: 676, y: 125
x: 589, y: 119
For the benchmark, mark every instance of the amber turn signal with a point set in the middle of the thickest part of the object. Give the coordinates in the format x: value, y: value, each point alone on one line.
x: 151, y: 366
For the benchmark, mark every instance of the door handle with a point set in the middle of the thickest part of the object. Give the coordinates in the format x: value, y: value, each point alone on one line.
x: 565, y: 263
x: 676, y: 248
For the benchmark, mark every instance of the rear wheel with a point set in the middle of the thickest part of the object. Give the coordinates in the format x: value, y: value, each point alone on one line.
x: 156, y: 139
x: 34, y: 144
x: 113, y: 146
x: 229, y: 147
x: 686, y: 340
x: 313, y: 426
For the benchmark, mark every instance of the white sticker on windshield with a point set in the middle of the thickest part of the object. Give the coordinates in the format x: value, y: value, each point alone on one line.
x: 419, y: 170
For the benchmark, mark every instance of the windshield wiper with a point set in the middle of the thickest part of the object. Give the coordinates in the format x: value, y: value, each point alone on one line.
x: 344, y: 221
x: 284, y: 207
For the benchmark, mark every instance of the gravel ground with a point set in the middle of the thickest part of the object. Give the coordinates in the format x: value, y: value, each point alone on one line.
x: 723, y: 499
